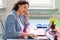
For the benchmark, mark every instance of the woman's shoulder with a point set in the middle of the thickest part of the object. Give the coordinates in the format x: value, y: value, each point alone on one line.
x: 10, y: 17
x: 11, y: 14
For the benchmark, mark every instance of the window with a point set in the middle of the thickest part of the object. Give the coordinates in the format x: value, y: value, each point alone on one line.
x: 42, y: 4
x: 1, y: 4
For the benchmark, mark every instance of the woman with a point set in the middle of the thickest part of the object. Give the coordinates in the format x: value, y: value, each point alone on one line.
x: 16, y: 21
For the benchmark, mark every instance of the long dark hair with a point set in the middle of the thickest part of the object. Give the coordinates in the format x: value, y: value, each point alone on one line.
x: 19, y: 3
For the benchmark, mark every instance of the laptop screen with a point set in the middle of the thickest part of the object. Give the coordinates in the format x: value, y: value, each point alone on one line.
x: 38, y: 26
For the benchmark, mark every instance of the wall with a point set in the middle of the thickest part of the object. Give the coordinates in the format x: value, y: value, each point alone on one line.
x: 8, y: 4
x: 57, y: 2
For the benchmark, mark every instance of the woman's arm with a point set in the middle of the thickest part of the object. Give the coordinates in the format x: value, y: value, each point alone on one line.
x: 10, y: 26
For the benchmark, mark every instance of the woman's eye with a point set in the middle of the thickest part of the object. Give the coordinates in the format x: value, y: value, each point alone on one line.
x: 25, y: 7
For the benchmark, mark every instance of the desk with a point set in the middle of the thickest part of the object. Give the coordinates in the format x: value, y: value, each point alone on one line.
x: 33, y: 29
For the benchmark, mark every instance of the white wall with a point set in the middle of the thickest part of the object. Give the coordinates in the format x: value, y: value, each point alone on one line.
x: 8, y: 4
x: 57, y: 2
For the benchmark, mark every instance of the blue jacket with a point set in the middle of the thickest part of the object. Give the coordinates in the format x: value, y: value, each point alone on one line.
x: 12, y: 27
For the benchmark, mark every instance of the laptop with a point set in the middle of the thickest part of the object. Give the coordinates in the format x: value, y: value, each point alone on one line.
x: 38, y: 26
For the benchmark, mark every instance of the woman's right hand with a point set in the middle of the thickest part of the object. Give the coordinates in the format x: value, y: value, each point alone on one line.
x: 26, y: 34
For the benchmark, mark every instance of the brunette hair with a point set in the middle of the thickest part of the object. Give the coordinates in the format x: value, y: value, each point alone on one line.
x: 19, y: 3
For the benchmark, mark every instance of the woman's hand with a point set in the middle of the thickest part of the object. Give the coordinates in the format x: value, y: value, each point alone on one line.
x: 26, y: 13
x: 33, y: 35
x: 26, y: 34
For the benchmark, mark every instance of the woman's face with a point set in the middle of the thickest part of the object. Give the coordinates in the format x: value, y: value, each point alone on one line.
x: 23, y: 7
